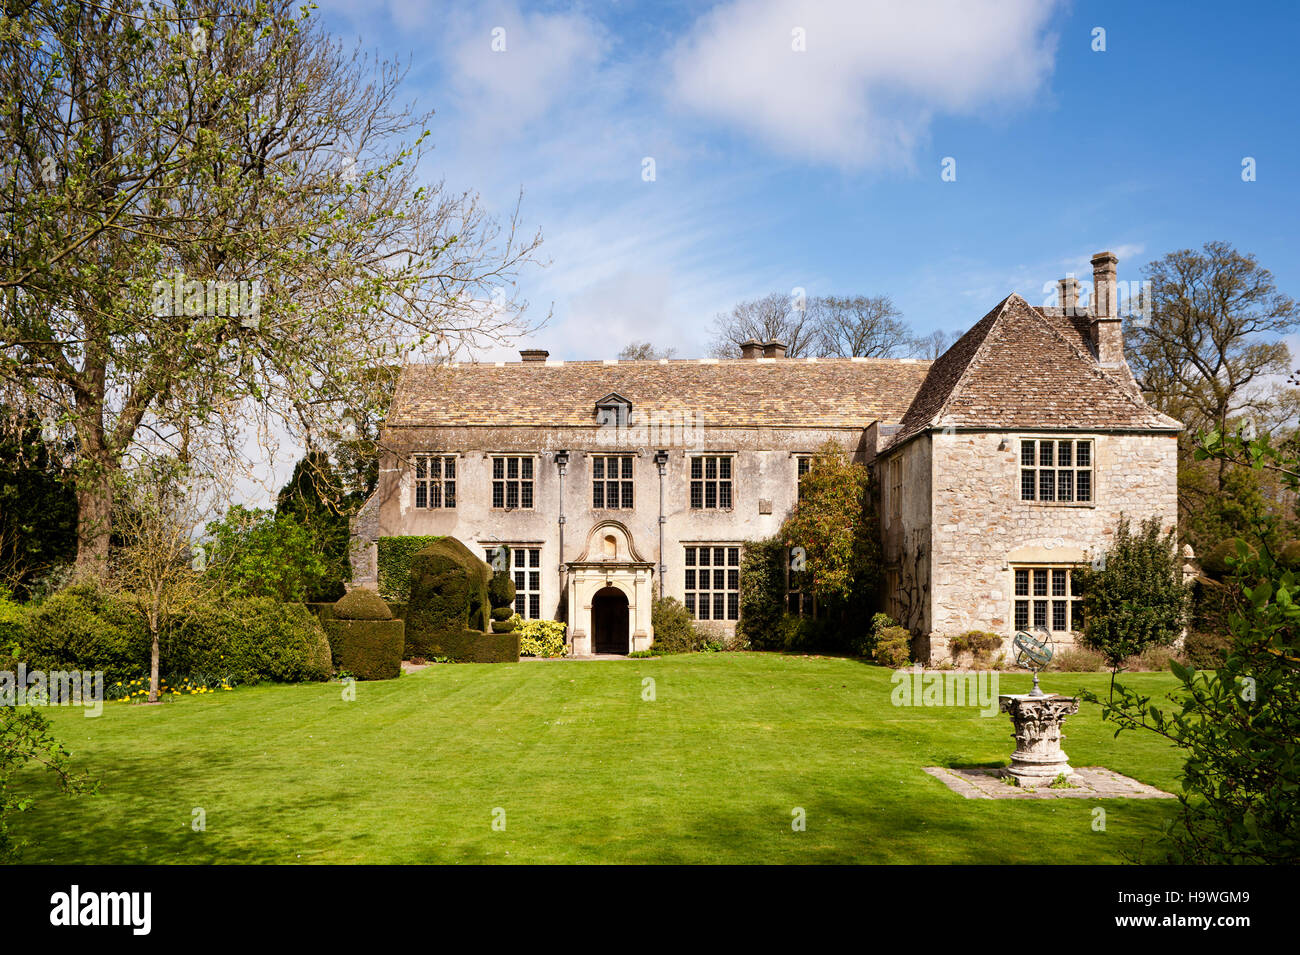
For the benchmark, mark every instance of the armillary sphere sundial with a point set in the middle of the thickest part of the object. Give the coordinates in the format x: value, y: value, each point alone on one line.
x: 1034, y: 653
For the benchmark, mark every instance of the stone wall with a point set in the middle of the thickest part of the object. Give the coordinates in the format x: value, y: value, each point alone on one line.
x: 981, y: 528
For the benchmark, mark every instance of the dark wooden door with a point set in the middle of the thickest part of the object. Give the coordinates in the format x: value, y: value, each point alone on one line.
x: 609, y: 621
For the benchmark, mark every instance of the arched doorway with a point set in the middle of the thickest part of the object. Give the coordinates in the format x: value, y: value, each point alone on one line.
x: 609, y: 621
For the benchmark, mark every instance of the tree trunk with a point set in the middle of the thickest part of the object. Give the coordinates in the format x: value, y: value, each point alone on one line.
x: 94, y: 523
x: 153, y: 664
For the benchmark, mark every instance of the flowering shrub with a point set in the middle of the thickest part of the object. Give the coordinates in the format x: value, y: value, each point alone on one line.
x: 137, y: 690
x: 541, y: 638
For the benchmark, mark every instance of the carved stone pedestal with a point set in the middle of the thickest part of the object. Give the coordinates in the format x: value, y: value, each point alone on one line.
x: 1038, y: 758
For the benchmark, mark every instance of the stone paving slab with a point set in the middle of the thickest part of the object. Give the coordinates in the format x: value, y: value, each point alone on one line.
x: 1090, y: 782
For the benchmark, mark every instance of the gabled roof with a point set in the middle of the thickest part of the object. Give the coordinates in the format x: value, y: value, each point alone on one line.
x: 1022, y: 368
x: 735, y: 393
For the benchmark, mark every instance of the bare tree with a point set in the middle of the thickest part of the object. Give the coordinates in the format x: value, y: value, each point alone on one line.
x: 858, y: 326
x: 214, y: 222
x: 776, y: 316
x: 933, y: 345
x: 644, y: 351
x: 1211, y: 349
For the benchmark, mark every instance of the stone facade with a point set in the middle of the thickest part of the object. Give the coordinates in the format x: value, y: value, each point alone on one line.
x: 967, y: 544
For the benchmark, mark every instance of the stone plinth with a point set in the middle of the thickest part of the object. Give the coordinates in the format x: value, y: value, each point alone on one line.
x: 1038, y: 758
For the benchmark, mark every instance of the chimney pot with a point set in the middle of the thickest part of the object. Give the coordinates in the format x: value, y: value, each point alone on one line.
x: 534, y: 354
x: 751, y: 349
x: 774, y: 349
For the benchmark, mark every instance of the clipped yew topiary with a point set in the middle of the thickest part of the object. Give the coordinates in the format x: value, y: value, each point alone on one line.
x: 365, y: 640
x: 449, y: 607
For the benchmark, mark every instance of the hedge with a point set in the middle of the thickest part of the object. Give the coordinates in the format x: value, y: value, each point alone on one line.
x: 367, y: 649
x: 243, y: 640
x: 394, y: 570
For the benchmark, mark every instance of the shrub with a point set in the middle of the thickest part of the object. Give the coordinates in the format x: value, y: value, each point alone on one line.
x: 508, y: 625
x: 1216, y: 562
x: 674, y: 627
x: 261, y: 555
x: 13, y: 625
x: 367, y: 649
x: 394, y: 556
x: 362, y: 604
x: 83, y: 627
x: 1207, y: 650
x: 1078, y: 660
x: 893, y: 647
x: 502, y: 613
x: 980, y: 644
x: 542, y: 638
x: 1288, y: 556
x: 449, y: 608
x: 762, y: 593
x: 1137, y: 599
x: 247, y: 640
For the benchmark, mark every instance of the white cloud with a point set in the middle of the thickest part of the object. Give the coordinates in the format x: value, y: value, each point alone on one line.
x: 873, y: 76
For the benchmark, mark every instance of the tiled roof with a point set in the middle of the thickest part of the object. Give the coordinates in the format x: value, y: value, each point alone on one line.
x: 784, y: 392
x: 1022, y: 367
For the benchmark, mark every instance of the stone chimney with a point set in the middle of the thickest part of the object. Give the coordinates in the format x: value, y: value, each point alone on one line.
x: 774, y: 349
x: 1107, y: 328
x: 534, y: 354
x: 751, y: 349
x: 1069, y: 287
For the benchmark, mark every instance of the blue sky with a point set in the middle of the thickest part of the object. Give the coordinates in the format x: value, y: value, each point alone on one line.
x: 777, y: 168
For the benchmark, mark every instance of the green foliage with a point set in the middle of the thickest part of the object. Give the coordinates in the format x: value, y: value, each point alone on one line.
x: 501, y: 591
x: 362, y: 603
x: 509, y: 625
x: 1221, y: 558
x: 1207, y: 650
x: 762, y: 592
x: 449, y: 607
x: 542, y: 638
x: 38, y: 504
x: 260, y: 555
x: 25, y: 740
x: 1137, y: 598
x: 674, y: 627
x: 1238, y: 725
x: 243, y: 640
x: 1289, y: 555
x: 315, y: 499
x: 501, y: 612
x: 367, y: 649
x: 893, y: 647
x: 394, y: 559
x: 835, y: 524
x: 980, y: 644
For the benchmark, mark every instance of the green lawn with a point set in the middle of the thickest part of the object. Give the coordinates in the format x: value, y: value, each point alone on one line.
x: 585, y: 770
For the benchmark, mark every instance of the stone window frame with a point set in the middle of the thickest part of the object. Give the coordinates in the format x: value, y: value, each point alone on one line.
x: 523, y: 481
x: 624, y: 485
x: 712, y: 597
x: 802, y: 465
x: 1059, y: 596
x: 894, y: 467
x: 722, y: 487
x: 1034, y: 471
x: 428, y: 487
x: 526, y: 571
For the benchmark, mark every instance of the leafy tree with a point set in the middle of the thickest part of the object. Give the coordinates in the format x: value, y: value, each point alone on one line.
x: 1134, y: 597
x: 1239, y: 726
x: 259, y: 554
x: 25, y: 740
x: 833, y: 537
x: 38, y: 506
x: 315, y: 498
x: 158, y: 153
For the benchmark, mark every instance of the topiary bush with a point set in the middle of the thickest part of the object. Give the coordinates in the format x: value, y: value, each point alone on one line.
x: 362, y: 604
x: 83, y: 627
x: 365, y: 640
x: 508, y: 625
x: 501, y: 591
x: 247, y: 640
x: 502, y: 613
x: 449, y: 607
x: 394, y: 555
x: 542, y: 638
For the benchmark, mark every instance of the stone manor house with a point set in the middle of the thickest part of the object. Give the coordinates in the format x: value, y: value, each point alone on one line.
x: 1001, y: 466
